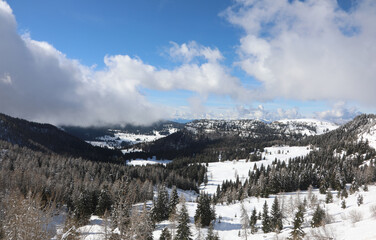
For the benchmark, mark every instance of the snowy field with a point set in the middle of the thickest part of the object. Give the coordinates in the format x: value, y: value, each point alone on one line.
x: 143, y: 162
x: 227, y: 170
x: 320, y: 126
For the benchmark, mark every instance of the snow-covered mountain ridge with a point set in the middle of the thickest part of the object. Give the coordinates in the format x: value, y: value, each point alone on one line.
x: 253, y: 128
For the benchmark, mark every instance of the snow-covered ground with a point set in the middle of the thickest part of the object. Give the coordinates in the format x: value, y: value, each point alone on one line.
x: 142, y: 162
x: 321, y: 127
x: 228, y: 170
x: 130, y: 138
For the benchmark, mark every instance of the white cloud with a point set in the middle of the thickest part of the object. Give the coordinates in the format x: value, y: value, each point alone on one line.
x: 48, y: 86
x: 340, y: 113
x: 308, y: 50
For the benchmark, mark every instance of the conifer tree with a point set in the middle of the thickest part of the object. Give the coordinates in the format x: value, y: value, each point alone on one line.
x: 329, y: 196
x: 318, y: 217
x: 183, y: 231
x: 174, y: 200
x: 160, y: 209
x: 104, y: 202
x: 204, y: 213
x: 359, y: 199
x: 276, y: 216
x: 343, y: 204
x: 265, y: 219
x: 297, y: 232
x: 166, y: 235
x: 253, y: 221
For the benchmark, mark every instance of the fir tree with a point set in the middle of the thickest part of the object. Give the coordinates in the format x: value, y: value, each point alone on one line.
x: 183, y: 231
x: 344, y: 193
x: 174, y: 200
x: 297, y: 232
x: 265, y: 219
x: 253, y: 221
x: 160, y: 209
x: 104, y: 202
x: 166, y: 235
x: 204, y: 213
x: 318, y: 217
x: 343, y: 204
x: 359, y: 199
x: 329, y: 196
x: 276, y: 216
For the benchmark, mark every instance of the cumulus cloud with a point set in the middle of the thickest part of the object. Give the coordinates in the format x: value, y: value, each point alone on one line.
x: 269, y: 115
x: 340, y: 113
x: 308, y: 50
x: 40, y: 83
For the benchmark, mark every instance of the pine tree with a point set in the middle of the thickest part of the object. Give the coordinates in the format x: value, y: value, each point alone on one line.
x: 204, y: 213
x: 344, y: 193
x: 276, y: 216
x: 174, y: 200
x: 265, y: 219
x: 343, y: 204
x: 318, y: 217
x: 253, y: 221
x: 166, y: 235
x: 297, y: 232
x: 183, y: 231
x: 329, y: 196
x: 359, y: 199
x: 160, y: 209
x: 104, y: 202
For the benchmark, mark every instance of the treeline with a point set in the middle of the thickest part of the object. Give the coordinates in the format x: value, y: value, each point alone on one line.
x: 87, y: 187
x: 321, y: 168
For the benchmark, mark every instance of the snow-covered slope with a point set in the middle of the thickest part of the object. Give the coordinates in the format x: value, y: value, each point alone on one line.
x: 306, y: 126
x: 256, y: 128
x: 229, y: 170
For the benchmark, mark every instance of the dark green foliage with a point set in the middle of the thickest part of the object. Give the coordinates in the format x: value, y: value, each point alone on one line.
x: 343, y: 204
x: 160, y: 209
x: 359, y: 199
x: 183, y: 231
x: 297, y: 232
x: 344, y: 193
x: 83, y: 207
x: 266, y: 224
x: 174, y: 200
x: 205, y: 214
x: 329, y: 197
x: 165, y: 235
x: 104, y: 202
x: 253, y: 221
x: 276, y: 216
x: 318, y: 218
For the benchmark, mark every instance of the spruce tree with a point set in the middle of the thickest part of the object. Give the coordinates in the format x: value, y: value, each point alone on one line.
x: 359, y: 199
x: 276, y: 216
x: 160, y: 209
x: 166, y: 235
x: 297, y: 232
x: 318, y: 217
x: 265, y: 219
x: 174, y: 200
x: 104, y: 202
x: 329, y: 196
x: 183, y: 231
x: 253, y: 221
x: 343, y: 204
x: 204, y: 213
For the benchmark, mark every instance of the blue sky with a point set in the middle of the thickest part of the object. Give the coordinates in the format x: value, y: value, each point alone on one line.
x: 140, y: 61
